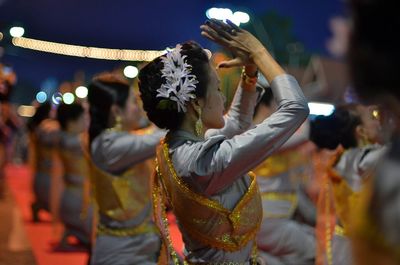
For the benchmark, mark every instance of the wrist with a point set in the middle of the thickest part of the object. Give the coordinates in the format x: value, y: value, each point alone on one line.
x: 249, y: 79
x: 251, y: 70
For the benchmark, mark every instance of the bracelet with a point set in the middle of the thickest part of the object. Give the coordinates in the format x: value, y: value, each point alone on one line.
x: 249, y: 80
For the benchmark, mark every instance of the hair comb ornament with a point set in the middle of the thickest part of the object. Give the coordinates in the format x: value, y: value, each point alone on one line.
x: 179, y: 84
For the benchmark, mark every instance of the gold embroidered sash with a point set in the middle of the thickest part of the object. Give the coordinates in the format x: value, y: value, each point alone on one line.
x: 41, y: 159
x: 345, y: 199
x: 120, y: 197
x: 368, y: 241
x: 73, y: 163
x: 204, y: 219
x: 280, y: 163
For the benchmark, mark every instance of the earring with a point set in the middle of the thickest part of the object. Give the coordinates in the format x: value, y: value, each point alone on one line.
x: 199, y: 124
x: 117, y: 125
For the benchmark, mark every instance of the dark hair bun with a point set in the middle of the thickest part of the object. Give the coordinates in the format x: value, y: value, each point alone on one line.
x: 67, y: 113
x: 150, y: 80
x: 105, y: 90
x: 337, y: 128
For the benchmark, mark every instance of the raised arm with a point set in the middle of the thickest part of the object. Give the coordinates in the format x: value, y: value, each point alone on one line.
x: 218, y: 162
x: 240, y: 115
x: 243, y: 152
x: 117, y: 151
x: 231, y: 158
x: 250, y: 54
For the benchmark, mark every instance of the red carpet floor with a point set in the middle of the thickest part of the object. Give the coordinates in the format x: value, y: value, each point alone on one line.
x: 40, y: 235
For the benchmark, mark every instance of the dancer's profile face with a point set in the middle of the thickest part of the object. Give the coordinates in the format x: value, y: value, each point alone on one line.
x: 131, y: 113
x: 371, y: 123
x: 213, y: 107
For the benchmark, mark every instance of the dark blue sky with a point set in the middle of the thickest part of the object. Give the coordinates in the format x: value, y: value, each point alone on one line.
x: 136, y: 25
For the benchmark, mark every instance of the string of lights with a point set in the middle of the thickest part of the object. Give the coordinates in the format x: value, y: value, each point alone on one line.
x: 84, y: 51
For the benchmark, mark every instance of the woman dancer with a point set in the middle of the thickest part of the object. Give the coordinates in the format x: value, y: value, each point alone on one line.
x: 355, y: 128
x: 73, y: 213
x: 43, y: 137
x: 203, y: 161
x: 120, y: 175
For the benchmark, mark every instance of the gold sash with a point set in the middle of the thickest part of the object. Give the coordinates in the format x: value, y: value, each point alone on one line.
x: 345, y: 199
x: 280, y: 163
x: 204, y: 219
x: 369, y: 244
x: 41, y: 157
x: 74, y: 164
x: 120, y: 197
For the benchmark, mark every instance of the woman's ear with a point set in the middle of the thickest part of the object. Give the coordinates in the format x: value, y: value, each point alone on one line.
x: 115, y: 111
x: 360, y: 132
x: 198, y: 103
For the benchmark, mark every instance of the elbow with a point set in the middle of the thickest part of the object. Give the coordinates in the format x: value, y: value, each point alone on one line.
x: 301, y: 109
x: 305, y: 110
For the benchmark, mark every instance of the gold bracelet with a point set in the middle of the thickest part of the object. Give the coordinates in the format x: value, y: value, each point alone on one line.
x: 248, y: 80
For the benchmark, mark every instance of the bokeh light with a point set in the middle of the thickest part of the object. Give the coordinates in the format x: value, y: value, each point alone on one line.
x: 41, y: 97
x: 131, y: 71
x: 68, y: 98
x: 81, y: 92
x: 17, y: 32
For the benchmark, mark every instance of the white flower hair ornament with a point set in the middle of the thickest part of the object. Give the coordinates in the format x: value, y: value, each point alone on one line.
x: 180, y: 84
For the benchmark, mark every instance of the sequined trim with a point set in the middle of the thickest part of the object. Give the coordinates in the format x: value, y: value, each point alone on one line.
x: 340, y: 231
x: 201, y: 199
x: 167, y: 250
x: 228, y: 241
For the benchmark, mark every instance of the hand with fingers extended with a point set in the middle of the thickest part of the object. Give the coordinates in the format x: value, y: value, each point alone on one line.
x: 240, y: 42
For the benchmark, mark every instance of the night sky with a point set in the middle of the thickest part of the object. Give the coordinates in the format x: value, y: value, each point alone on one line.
x: 136, y: 25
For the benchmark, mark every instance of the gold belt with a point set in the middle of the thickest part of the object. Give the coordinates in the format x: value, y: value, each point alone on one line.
x: 144, y: 228
x: 220, y: 263
x: 280, y: 196
x: 252, y: 261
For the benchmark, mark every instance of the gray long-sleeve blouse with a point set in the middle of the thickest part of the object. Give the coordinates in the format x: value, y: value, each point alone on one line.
x: 217, y: 166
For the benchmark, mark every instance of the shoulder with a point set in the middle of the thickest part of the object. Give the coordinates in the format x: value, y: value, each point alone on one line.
x: 195, y: 156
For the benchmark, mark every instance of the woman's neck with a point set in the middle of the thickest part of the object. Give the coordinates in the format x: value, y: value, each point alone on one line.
x: 188, y: 127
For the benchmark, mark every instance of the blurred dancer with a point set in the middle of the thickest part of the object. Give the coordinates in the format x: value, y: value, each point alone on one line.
x: 374, y: 57
x: 7, y: 123
x: 354, y: 128
x: 120, y: 175
x: 43, y: 138
x: 74, y: 214
x: 282, y: 178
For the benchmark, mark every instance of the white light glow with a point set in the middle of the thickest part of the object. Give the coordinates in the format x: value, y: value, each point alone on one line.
x: 57, y: 98
x: 68, y: 98
x: 219, y: 13
x: 212, y: 12
x: 131, y: 71
x: 41, y: 97
x: 320, y: 108
x: 81, y: 92
x: 242, y: 17
x: 235, y: 20
x: 225, y: 13
x: 17, y: 32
